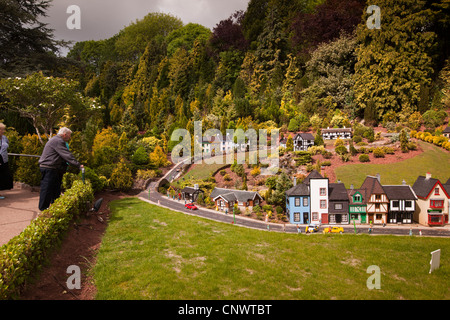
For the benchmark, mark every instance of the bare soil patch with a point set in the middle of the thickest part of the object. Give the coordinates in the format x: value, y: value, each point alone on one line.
x: 79, y: 247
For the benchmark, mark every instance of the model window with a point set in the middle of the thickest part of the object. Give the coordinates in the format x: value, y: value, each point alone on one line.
x: 338, y: 206
x: 357, y: 198
x: 297, y: 202
x: 315, y: 216
x: 323, y: 204
x: 305, y: 202
x: 296, y: 216
x: 323, y: 191
x: 436, y: 191
x: 408, y: 204
x: 437, y: 203
x: 378, y: 197
x: 395, y: 204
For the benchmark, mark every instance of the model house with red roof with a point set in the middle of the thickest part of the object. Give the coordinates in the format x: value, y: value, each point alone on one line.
x: 433, y: 201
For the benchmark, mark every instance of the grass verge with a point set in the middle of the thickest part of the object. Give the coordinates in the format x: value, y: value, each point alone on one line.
x: 150, y: 252
x: 434, y: 160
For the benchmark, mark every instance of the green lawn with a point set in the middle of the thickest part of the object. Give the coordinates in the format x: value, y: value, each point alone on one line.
x: 434, y: 160
x: 153, y: 253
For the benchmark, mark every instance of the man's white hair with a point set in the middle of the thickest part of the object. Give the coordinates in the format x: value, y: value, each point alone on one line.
x: 64, y: 130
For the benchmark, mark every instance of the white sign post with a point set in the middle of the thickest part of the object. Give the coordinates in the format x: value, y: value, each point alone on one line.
x: 435, y: 260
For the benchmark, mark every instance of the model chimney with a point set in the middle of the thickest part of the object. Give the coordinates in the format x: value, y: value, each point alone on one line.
x: 295, y: 181
x: 378, y: 177
x: 428, y: 176
x: 351, y: 186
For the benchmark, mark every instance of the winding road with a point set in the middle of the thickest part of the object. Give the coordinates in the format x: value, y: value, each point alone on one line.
x: 152, y: 196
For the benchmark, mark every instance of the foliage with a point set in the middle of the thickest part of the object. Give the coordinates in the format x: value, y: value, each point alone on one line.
x: 364, y: 158
x: 121, y: 177
x: 133, y: 39
x: 25, y: 254
x: 46, y: 101
x: 290, y: 144
x: 27, y: 167
x: 401, y: 76
x: 140, y: 157
x: 158, y: 158
x: 27, y: 43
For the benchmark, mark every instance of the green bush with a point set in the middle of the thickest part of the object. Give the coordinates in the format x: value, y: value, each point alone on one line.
x: 24, y: 254
x: 140, y: 156
x: 121, y: 177
x: 364, y: 158
x: 378, y: 152
x: 340, y: 150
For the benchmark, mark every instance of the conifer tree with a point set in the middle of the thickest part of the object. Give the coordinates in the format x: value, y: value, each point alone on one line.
x: 394, y: 62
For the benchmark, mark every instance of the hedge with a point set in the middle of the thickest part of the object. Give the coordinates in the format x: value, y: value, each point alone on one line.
x: 22, y: 257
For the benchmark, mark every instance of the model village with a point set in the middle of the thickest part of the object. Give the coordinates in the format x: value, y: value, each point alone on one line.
x: 314, y: 200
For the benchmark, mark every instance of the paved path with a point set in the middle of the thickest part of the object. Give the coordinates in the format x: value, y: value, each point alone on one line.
x: 17, y: 210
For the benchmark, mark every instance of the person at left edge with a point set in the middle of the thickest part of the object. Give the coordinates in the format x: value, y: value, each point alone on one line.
x: 53, y: 164
x: 6, y: 179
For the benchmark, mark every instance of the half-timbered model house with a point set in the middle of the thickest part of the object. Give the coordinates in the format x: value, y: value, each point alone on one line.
x: 225, y: 199
x: 377, y: 200
x: 334, y: 133
x: 357, y: 205
x: 302, y: 141
x: 338, y: 204
x: 402, y: 203
x: 433, y: 201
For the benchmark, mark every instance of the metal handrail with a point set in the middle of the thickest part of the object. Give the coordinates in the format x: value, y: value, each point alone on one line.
x: 23, y: 155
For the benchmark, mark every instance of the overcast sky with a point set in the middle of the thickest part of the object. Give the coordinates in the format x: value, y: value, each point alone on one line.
x: 101, y: 19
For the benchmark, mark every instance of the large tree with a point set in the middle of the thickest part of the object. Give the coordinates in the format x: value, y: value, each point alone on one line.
x: 46, y: 101
x: 26, y: 44
x: 394, y: 64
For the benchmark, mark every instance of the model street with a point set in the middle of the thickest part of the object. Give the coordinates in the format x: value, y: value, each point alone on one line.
x: 153, y: 196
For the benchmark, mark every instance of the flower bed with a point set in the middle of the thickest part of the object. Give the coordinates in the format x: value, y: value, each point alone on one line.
x: 23, y: 255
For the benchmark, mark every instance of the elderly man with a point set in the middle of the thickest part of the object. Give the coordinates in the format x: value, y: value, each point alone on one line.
x: 53, y: 165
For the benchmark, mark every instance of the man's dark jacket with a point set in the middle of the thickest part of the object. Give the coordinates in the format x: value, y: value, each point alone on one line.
x: 56, y: 155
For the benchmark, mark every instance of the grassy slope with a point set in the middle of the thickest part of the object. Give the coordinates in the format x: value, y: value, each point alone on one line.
x: 153, y: 253
x: 434, y: 160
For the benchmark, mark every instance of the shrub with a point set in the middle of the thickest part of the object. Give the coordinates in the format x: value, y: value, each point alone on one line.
x: 340, y: 150
x: 222, y: 172
x: 357, y: 139
x: 364, y: 158
x: 378, y: 152
x: 338, y: 142
x: 412, y: 146
x: 121, y: 177
x: 24, y: 254
x: 255, y: 171
x: 344, y: 157
x: 227, y: 177
x: 140, y: 157
x: 27, y: 167
x: 327, y: 154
